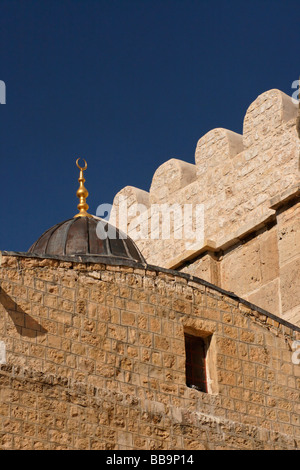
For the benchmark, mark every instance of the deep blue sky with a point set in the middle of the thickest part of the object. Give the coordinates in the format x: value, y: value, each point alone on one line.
x: 126, y: 84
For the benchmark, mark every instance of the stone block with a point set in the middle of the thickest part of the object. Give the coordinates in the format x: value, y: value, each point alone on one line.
x: 267, y: 297
x: 240, y: 269
x: 289, y: 234
x: 269, y: 256
x: 264, y: 116
x: 171, y: 177
x: 290, y: 285
x: 127, y: 200
x: 215, y: 149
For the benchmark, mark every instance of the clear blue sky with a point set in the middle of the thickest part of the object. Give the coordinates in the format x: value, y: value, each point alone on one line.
x: 126, y: 84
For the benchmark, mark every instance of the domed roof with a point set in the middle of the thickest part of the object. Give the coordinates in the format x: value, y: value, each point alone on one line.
x: 86, y: 236
x: 79, y: 236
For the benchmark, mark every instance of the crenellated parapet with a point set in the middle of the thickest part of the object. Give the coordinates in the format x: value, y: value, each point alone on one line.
x: 234, y: 179
x: 234, y: 176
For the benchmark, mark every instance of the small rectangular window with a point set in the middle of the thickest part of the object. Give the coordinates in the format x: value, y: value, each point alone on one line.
x: 195, y: 348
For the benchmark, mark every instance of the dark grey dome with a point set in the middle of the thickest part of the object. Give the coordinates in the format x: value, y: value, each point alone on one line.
x: 78, y: 236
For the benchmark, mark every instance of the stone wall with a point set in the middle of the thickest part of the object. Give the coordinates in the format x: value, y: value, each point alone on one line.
x: 248, y: 186
x: 95, y: 359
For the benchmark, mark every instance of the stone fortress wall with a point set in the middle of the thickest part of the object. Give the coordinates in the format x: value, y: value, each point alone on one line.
x: 249, y: 188
x: 93, y: 357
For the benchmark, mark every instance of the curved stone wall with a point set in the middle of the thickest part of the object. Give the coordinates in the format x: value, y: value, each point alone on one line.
x: 95, y: 359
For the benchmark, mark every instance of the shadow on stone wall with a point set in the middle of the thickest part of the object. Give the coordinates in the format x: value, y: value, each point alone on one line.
x: 24, y: 323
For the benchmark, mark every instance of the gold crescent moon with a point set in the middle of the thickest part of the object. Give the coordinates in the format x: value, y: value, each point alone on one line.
x: 80, y: 168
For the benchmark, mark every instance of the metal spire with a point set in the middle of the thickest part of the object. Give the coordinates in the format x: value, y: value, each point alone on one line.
x: 82, y: 192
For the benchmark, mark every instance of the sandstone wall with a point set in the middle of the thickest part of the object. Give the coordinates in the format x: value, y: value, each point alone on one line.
x: 95, y: 359
x: 248, y: 186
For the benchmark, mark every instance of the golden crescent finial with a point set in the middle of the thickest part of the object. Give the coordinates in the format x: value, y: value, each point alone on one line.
x: 82, y: 192
x: 85, y: 164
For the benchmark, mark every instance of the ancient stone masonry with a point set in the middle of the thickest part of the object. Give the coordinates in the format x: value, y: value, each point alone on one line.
x: 193, y: 344
x: 249, y: 187
x: 95, y: 359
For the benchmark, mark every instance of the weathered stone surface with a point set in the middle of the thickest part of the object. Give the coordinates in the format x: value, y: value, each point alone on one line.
x: 289, y: 234
x: 171, y: 177
x: 216, y: 149
x: 267, y: 297
x: 266, y: 114
x: 108, y: 372
x: 240, y: 270
x: 290, y: 280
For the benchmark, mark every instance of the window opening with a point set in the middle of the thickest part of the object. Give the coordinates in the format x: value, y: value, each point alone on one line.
x: 196, y: 376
